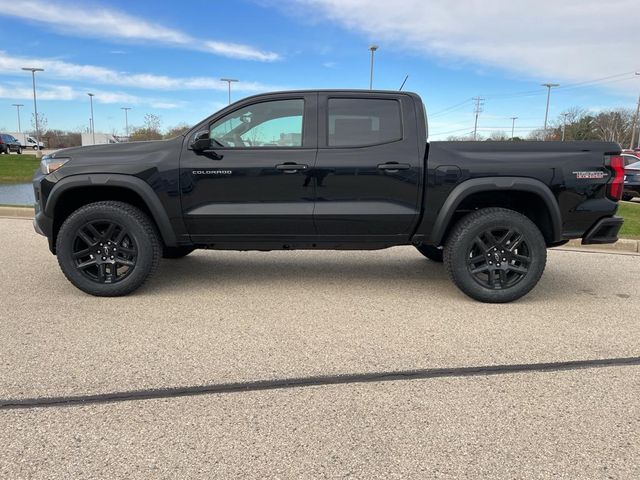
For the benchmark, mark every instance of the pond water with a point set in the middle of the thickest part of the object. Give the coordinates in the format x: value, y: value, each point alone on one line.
x: 16, y: 194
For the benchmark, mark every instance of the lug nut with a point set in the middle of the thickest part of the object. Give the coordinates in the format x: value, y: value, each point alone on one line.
x: 99, y: 251
x: 104, y: 258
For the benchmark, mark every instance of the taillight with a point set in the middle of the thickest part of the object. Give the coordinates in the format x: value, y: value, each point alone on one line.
x: 616, y: 183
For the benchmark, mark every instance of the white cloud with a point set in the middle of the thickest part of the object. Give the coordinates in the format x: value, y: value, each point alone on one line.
x: 66, y: 93
x: 101, y: 22
x: 96, y: 74
x: 570, y: 40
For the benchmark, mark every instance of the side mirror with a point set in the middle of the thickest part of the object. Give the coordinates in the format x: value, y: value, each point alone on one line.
x: 201, y: 141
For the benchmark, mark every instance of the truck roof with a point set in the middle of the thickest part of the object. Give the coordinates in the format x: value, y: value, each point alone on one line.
x: 337, y: 90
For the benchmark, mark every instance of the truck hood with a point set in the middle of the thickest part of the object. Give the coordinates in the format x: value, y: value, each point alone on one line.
x: 118, y: 153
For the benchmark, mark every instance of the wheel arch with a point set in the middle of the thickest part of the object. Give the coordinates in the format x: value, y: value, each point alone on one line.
x: 525, y: 195
x: 74, y: 191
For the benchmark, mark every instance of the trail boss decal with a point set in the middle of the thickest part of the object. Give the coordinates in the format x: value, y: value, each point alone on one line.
x: 592, y: 175
x: 211, y: 172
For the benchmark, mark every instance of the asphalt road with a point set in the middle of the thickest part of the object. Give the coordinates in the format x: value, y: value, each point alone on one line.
x: 220, y: 318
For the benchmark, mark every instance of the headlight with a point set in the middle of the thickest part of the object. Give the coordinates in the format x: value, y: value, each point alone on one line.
x: 49, y: 164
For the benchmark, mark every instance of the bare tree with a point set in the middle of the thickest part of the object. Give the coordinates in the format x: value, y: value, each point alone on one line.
x: 177, y: 130
x: 42, y: 123
x: 149, y: 131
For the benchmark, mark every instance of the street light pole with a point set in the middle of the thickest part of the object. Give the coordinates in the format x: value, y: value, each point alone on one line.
x: 372, y: 49
x: 229, y: 81
x: 513, y: 126
x: 35, y: 105
x: 126, y: 120
x: 18, y: 105
x: 635, y: 123
x: 93, y: 123
x: 546, y: 113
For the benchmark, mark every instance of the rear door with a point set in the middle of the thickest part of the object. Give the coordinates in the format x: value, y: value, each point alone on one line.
x: 368, y: 169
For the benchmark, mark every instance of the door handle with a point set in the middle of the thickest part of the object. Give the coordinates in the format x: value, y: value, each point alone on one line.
x: 291, y: 167
x: 393, y: 167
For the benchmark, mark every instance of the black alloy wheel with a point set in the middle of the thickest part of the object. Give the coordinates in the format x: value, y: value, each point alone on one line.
x: 495, y: 255
x: 104, y: 251
x: 108, y: 248
x: 499, y: 258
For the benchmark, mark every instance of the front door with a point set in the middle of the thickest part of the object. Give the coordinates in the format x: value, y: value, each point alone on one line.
x: 254, y: 183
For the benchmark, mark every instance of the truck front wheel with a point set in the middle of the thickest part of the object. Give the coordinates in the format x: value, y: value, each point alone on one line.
x: 108, y: 249
x: 495, y: 255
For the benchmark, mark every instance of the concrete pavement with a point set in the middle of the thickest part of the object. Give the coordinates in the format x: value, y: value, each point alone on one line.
x: 217, y: 317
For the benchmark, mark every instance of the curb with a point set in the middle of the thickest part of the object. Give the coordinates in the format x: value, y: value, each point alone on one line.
x: 624, y: 245
x: 16, y: 212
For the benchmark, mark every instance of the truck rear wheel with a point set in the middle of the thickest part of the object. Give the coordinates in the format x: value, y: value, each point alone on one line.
x: 495, y: 255
x: 108, y: 249
x: 434, y: 254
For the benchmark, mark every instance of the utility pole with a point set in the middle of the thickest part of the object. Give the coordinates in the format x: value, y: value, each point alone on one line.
x: 477, y: 110
x: 635, y: 124
x: 564, y: 124
x: 35, y: 106
x: 546, y: 113
x: 126, y: 120
x: 229, y: 81
x: 372, y: 49
x: 513, y: 126
x: 18, y: 105
x: 93, y: 124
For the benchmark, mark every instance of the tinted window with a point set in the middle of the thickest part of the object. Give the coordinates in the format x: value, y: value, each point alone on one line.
x: 361, y: 121
x: 629, y: 159
x: 266, y: 124
x: 634, y: 166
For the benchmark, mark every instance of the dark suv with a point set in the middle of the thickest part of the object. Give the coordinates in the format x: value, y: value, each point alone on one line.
x: 9, y: 144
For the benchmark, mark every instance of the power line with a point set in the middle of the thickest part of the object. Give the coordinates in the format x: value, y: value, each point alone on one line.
x: 453, y: 107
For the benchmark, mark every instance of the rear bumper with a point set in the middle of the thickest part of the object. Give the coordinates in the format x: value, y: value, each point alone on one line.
x: 632, y: 189
x: 604, y: 231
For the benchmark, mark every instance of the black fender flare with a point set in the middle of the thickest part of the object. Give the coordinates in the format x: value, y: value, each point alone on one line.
x: 135, y: 184
x: 469, y: 187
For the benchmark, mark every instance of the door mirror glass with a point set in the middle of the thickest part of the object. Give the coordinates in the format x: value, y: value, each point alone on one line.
x: 201, y: 141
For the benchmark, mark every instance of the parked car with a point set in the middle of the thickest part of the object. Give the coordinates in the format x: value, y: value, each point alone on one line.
x: 631, y: 178
x: 9, y: 144
x: 326, y: 170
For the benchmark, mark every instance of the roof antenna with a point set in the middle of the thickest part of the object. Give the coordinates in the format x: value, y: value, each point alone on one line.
x: 405, y: 81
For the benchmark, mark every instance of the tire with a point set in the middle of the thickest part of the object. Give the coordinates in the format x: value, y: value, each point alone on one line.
x: 434, y: 254
x: 19, y: 152
x: 176, y: 252
x: 517, y: 257
x: 627, y: 198
x: 119, y: 231
x: 35, y: 147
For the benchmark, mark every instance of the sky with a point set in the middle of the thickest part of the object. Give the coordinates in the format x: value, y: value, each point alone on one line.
x: 167, y: 58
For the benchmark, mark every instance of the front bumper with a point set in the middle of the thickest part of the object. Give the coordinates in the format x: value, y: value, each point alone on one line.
x: 604, y: 231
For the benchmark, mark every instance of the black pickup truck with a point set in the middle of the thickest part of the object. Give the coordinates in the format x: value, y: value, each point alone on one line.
x: 326, y: 170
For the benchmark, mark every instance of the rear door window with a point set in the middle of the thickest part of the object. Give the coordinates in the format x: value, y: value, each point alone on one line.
x: 359, y: 122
